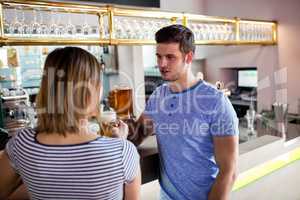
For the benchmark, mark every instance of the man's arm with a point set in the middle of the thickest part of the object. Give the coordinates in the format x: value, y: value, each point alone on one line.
x: 226, y: 154
x: 140, y: 129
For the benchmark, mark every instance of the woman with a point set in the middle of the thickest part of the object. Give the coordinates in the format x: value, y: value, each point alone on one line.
x: 62, y: 159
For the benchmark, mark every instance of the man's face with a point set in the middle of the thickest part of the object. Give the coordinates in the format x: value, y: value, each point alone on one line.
x: 171, y: 61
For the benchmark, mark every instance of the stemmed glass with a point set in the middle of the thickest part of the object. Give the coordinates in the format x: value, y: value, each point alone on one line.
x: 127, y: 29
x: 95, y: 31
x: 200, y: 31
x: 260, y: 33
x: 86, y: 27
x: 269, y: 32
x: 242, y: 32
x: 35, y: 26
x: 118, y: 28
x: 229, y: 32
x: 60, y: 29
x: 53, y: 26
x: 6, y: 27
x: 71, y: 29
x: 150, y: 31
x: 25, y: 28
x: 206, y: 33
x: 137, y: 32
x: 105, y: 28
x: 210, y: 30
x: 6, y: 23
x: 15, y: 26
x: 193, y: 27
x: 218, y: 31
x: 143, y: 28
x: 44, y: 29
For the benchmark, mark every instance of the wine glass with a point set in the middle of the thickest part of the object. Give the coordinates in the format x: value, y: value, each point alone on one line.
x: 16, y: 25
x: 127, y: 29
x: 71, y: 29
x: 86, y: 29
x: 137, y: 32
x: 25, y: 28
x: 60, y: 28
x: 6, y: 27
x: 6, y: 22
x: 35, y: 26
x: 193, y: 28
x: 143, y: 28
x: 44, y: 29
x: 118, y: 28
x: 53, y: 25
x: 95, y: 31
x: 242, y: 32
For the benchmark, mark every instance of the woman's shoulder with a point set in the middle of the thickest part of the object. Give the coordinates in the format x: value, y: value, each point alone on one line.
x: 124, y: 144
x: 116, y: 141
x: 25, y: 134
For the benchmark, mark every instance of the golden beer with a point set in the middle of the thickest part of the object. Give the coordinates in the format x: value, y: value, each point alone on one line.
x: 120, y: 100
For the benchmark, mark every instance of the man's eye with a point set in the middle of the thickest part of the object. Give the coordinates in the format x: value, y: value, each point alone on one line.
x: 170, y: 57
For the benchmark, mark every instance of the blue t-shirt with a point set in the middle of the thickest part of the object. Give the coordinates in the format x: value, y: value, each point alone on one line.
x: 185, y: 124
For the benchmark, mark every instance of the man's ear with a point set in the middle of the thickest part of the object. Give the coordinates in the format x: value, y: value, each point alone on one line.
x: 189, y: 57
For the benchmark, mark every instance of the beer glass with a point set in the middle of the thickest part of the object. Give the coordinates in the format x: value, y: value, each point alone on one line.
x: 120, y: 99
x: 108, y: 120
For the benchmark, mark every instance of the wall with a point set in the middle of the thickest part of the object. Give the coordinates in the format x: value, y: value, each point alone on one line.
x: 278, y: 66
x: 264, y: 57
x: 189, y: 6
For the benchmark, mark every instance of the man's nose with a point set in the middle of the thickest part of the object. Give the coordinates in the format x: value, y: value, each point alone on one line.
x: 162, y: 62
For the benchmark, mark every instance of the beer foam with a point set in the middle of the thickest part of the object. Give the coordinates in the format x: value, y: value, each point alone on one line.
x: 108, y: 116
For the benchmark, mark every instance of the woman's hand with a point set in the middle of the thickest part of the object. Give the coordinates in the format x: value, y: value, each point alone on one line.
x: 121, y: 131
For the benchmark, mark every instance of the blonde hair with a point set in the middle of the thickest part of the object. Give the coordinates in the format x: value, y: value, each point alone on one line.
x: 72, y: 77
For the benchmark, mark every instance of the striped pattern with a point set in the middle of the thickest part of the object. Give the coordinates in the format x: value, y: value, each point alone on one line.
x: 93, y: 170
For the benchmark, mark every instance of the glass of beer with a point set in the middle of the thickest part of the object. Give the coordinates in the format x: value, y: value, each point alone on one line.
x: 120, y: 99
x: 108, y: 120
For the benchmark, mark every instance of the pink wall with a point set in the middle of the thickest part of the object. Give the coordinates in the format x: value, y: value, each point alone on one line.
x: 188, y: 6
x: 268, y: 59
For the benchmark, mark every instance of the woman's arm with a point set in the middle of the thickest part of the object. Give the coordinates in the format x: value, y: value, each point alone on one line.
x: 132, y: 189
x: 9, y: 180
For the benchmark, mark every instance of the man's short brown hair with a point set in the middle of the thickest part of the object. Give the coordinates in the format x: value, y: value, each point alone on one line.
x: 177, y: 34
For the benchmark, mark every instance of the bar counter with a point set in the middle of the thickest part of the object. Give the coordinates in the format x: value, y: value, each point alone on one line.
x: 149, y: 159
x: 263, y: 157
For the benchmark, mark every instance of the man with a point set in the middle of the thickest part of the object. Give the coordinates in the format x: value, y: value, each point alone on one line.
x: 195, y: 125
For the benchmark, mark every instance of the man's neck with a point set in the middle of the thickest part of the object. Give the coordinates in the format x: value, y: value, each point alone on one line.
x: 185, y: 82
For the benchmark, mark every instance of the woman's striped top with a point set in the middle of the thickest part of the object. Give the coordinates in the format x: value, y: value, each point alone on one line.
x: 96, y: 169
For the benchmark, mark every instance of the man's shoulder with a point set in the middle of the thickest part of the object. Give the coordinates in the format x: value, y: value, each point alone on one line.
x: 207, y: 97
x: 162, y: 87
x: 209, y: 89
x: 160, y: 90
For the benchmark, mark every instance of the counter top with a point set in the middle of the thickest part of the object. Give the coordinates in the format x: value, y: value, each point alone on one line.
x: 149, y: 159
x: 148, y: 147
x: 254, y: 149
